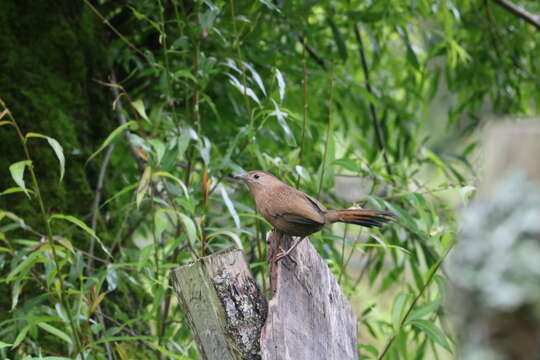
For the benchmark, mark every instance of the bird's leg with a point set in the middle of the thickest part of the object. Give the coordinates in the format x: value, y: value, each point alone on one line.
x: 282, y: 254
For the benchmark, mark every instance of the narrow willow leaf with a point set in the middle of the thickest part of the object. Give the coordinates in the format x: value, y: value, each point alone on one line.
x: 256, y: 77
x: 138, y: 105
x: 129, y: 125
x: 21, y: 336
x: 338, y: 37
x: 175, y: 178
x: 230, y: 206
x: 280, y: 115
x: 12, y: 190
x: 125, y: 190
x: 159, y: 148
x: 281, y: 84
x: 245, y: 91
x: 270, y: 5
x: 24, y: 266
x: 17, y: 173
x: 15, y: 292
x: 57, y: 332
x: 4, y: 345
x: 81, y: 225
x: 189, y: 227
x: 433, y: 332
x: 423, y: 310
x: 399, y: 309
x: 57, y: 148
x: 144, y: 184
x: 230, y: 234
x: 5, y: 123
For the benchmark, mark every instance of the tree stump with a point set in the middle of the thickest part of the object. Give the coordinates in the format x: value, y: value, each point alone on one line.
x: 222, y: 304
x: 308, y: 316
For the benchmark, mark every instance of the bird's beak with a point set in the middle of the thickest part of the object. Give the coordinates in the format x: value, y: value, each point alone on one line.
x: 240, y: 176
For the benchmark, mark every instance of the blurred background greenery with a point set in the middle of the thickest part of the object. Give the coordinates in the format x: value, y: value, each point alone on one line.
x: 150, y: 106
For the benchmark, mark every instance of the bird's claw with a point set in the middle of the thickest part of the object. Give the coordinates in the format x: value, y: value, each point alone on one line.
x: 283, y: 254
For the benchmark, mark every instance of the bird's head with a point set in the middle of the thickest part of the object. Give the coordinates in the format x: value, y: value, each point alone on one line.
x: 258, y: 179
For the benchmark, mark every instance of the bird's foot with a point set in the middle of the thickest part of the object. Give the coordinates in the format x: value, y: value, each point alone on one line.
x: 283, y: 254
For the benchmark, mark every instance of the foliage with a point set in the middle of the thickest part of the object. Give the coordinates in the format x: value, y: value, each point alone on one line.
x: 206, y: 89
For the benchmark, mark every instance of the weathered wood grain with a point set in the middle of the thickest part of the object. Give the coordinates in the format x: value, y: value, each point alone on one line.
x: 309, y: 318
x: 223, y: 305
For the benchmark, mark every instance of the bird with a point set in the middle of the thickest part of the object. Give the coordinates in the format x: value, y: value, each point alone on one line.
x: 295, y: 213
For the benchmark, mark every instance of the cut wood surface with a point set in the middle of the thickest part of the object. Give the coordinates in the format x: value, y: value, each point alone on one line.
x: 309, y: 317
x: 222, y: 304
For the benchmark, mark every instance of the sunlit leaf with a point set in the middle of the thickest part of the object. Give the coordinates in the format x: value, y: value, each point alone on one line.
x: 244, y: 90
x: 281, y: 84
x: 56, y: 332
x: 138, y: 105
x: 82, y: 226
x: 189, y: 227
x: 256, y: 77
x: 144, y: 184
x: 112, y: 136
x: 17, y: 173
x: 57, y: 148
x: 230, y: 206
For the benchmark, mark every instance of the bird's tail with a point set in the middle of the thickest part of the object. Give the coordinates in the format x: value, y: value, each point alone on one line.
x: 368, y: 218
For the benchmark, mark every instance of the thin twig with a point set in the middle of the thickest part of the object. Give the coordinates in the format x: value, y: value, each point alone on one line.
x: 313, y: 54
x: 95, y: 206
x: 328, y: 129
x: 113, y: 28
x: 119, y: 108
x: 520, y: 12
x: 304, y: 119
x: 373, y: 112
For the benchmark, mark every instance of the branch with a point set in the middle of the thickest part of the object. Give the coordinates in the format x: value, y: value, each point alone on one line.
x: 312, y: 53
x: 376, y: 123
x: 520, y: 12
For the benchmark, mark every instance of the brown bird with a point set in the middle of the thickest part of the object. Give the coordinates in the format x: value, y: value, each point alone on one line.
x: 295, y: 213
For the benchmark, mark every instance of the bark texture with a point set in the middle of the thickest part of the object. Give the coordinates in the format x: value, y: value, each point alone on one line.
x: 308, y: 316
x: 223, y: 305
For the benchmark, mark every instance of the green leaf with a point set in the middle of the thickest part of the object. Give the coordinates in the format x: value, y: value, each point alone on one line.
x: 144, y: 184
x: 81, y: 225
x: 138, y: 105
x: 280, y: 115
x: 21, y: 336
x: 423, y: 310
x: 13, y: 190
x: 244, y: 90
x: 256, y: 77
x: 399, y: 309
x: 17, y: 173
x: 433, y: 332
x: 56, y: 332
x: 57, y: 148
x: 189, y: 227
x: 132, y: 125
x: 159, y: 148
x: 281, y: 84
x: 230, y: 206
x: 338, y: 37
x: 4, y: 345
x: 230, y: 234
x: 175, y: 178
x: 24, y: 266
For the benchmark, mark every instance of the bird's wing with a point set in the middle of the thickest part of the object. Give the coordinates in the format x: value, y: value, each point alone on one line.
x: 299, y: 208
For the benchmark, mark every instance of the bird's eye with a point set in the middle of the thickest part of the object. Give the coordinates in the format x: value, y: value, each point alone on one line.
x: 256, y: 176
